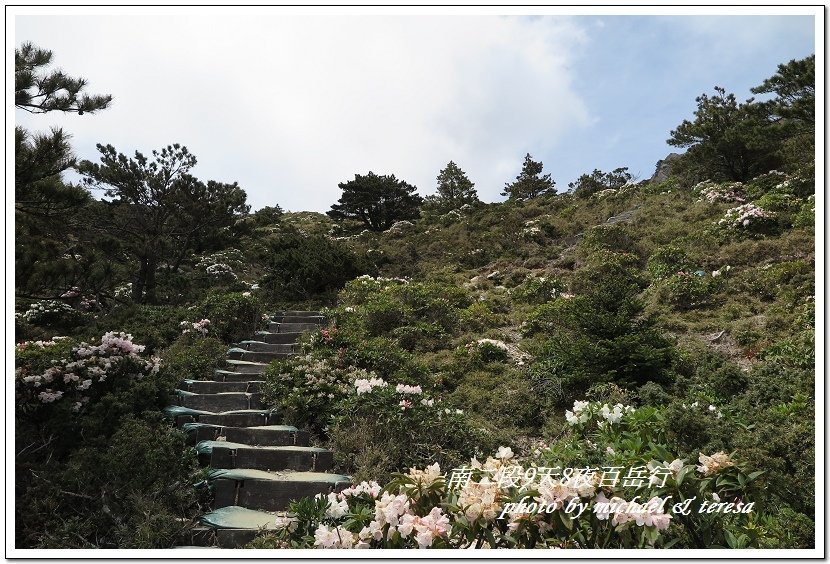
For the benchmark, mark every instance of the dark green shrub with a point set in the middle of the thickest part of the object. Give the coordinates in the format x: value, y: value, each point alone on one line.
x: 233, y: 316
x: 668, y: 260
x: 131, y: 490
x: 686, y: 290
x: 479, y: 316
x: 537, y: 290
x: 194, y: 357
x: 616, y: 238
x: 806, y: 216
x: 153, y: 326
x: 602, y: 336
x: 300, y: 267
x: 420, y: 336
x: 385, y: 431
x: 383, y: 313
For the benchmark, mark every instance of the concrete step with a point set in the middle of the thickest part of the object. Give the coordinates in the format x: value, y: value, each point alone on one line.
x: 262, y: 346
x: 276, y: 327
x: 316, y: 319
x: 230, y: 527
x: 215, y: 387
x: 270, y: 491
x: 237, y: 353
x: 269, y: 435
x: 237, y: 455
x: 278, y: 338
x: 246, y: 366
x: 217, y: 402
x: 296, y: 313
x: 237, y: 418
x: 266, y: 435
x: 235, y: 376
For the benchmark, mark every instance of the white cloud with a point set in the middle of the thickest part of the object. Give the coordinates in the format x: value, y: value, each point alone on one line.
x: 290, y: 106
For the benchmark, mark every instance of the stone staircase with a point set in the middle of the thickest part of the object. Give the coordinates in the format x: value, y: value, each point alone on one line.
x: 257, y: 465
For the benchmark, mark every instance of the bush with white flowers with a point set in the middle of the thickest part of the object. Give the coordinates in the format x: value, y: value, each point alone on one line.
x: 86, y: 372
x: 505, y: 503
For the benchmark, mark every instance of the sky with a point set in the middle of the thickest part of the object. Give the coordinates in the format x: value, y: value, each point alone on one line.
x: 289, y: 106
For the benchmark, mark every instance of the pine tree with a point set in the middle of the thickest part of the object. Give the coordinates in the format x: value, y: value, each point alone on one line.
x: 529, y: 183
x: 589, y: 184
x: 49, y: 213
x: 454, y: 189
x: 727, y: 140
x: 159, y: 211
x: 38, y: 91
x: 41, y: 158
x: 377, y: 201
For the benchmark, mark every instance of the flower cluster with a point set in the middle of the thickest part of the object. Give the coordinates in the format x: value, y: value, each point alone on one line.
x: 221, y: 263
x: 710, y: 465
x: 721, y: 271
x: 88, y: 366
x: 744, y: 216
x: 394, y: 518
x: 606, y: 415
x: 200, y: 327
x: 714, y: 193
x: 423, y: 509
x: 366, y: 385
x: 38, y: 344
x: 531, y: 230
x: 370, y: 488
x: 605, y: 193
x: 47, y: 309
x: 220, y: 269
x: 124, y: 292
x: 426, y: 477
x: 406, y: 389
x: 336, y: 537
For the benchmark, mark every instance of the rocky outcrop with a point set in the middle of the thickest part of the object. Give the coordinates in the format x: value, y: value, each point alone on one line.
x: 663, y: 168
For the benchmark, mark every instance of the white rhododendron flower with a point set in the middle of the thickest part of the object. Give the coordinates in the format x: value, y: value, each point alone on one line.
x: 372, y: 488
x: 337, y: 537
x: 366, y: 385
x: 710, y: 465
x: 480, y: 499
x: 285, y: 522
x: 427, y: 476
x: 389, y: 508
x: 405, y: 389
x: 554, y: 493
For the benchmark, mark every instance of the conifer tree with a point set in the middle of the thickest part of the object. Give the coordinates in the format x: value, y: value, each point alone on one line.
x: 377, y: 201
x: 454, y: 189
x: 530, y: 183
x: 48, y: 210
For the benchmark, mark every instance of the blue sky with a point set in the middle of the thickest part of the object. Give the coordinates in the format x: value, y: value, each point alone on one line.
x: 289, y: 106
x: 639, y: 77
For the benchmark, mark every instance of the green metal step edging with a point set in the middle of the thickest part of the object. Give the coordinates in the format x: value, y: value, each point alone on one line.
x: 176, y: 410
x: 235, y: 517
x: 190, y: 427
x: 242, y: 474
x: 206, y: 447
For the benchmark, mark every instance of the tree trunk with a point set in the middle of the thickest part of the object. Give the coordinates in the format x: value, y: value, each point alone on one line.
x: 139, y: 280
x: 150, y: 283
